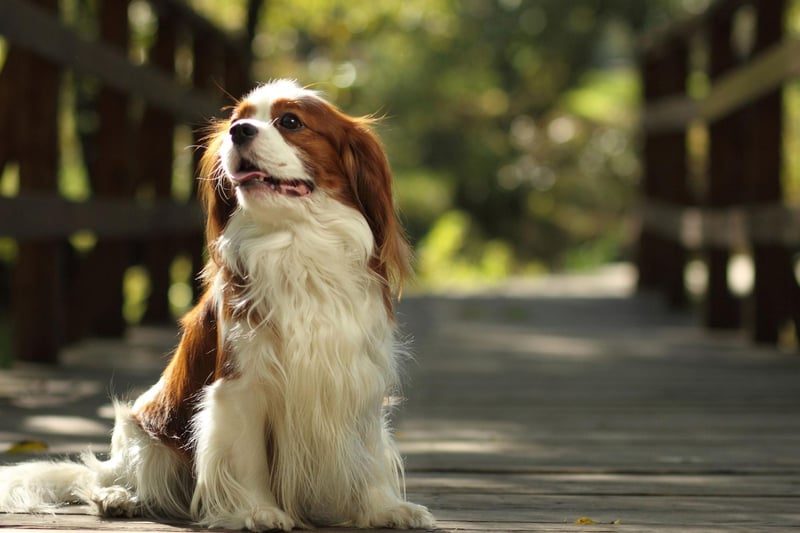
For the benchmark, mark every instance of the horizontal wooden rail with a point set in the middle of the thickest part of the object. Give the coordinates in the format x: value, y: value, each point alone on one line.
x: 684, y: 30
x: 32, y: 217
x: 729, y: 228
x: 23, y: 24
x: 766, y: 72
x: 200, y: 25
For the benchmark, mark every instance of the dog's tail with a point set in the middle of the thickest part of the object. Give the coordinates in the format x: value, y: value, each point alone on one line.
x: 42, y: 486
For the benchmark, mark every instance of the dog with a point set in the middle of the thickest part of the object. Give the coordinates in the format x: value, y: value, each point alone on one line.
x: 271, y: 413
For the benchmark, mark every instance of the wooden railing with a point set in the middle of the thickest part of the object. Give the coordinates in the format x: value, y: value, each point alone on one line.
x: 59, y: 294
x: 735, y: 202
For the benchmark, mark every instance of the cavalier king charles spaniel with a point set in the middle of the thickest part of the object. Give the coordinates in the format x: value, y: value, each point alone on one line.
x: 271, y: 413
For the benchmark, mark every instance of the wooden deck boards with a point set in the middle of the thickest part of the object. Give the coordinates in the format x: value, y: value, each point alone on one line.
x: 527, y: 412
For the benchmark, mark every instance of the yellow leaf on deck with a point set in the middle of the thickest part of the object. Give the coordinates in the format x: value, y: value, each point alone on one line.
x: 585, y: 520
x: 27, y: 446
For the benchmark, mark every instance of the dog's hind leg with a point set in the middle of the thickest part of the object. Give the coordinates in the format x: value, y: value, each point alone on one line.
x: 142, y: 476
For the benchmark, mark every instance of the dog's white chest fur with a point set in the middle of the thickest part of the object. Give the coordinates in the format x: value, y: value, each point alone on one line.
x: 313, y: 348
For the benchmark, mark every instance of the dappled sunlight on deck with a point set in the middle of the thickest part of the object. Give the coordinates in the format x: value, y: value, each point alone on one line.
x: 525, y: 412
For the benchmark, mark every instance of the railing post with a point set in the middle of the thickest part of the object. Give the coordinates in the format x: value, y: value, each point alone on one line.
x: 111, y: 176
x: 207, y: 75
x: 156, y: 140
x: 775, y: 293
x: 37, y: 290
x: 49, y: 277
x: 661, y: 262
x: 726, y: 149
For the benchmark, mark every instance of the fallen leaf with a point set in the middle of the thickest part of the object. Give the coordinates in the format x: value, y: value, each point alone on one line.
x: 584, y: 520
x: 27, y: 446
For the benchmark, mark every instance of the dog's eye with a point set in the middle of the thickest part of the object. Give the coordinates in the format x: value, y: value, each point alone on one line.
x: 290, y: 121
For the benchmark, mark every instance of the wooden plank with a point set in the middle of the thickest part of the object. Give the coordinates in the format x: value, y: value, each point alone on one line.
x: 156, y: 144
x: 654, y: 42
x: 206, y: 76
x: 724, y: 180
x: 201, y: 28
x: 670, y: 114
x: 765, y: 73
x: 661, y: 262
x: 544, y: 513
x: 774, y: 271
x: 524, y: 413
x: 22, y: 23
x: 604, y: 484
x: 110, y: 175
x: 734, y: 228
x: 678, y: 513
x: 32, y: 216
x: 37, y: 289
x: 635, y: 511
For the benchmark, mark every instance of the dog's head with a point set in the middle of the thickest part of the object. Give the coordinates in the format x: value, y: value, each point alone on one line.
x: 283, y: 151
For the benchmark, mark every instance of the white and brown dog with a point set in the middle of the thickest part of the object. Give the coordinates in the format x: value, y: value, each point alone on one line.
x: 271, y: 412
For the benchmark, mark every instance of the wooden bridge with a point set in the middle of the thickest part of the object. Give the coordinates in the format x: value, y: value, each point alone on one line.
x: 64, y: 254
x: 569, y: 406
x: 576, y: 404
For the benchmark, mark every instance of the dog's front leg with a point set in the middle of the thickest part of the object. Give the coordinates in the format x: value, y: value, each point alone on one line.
x: 233, y: 489
x: 385, y: 506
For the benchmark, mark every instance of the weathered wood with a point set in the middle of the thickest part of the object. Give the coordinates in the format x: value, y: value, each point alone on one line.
x: 208, y: 75
x: 776, y: 293
x: 765, y: 73
x: 156, y: 139
x: 22, y: 23
x: 13, y: 68
x: 725, y: 180
x: 48, y: 217
x: 744, y: 202
x: 732, y: 228
x: 200, y: 26
x: 661, y: 262
x: 92, y: 282
x: 526, y: 414
x: 37, y: 290
x: 688, y: 28
x: 110, y: 175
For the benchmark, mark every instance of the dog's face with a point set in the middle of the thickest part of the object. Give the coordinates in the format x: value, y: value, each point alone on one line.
x: 285, y: 152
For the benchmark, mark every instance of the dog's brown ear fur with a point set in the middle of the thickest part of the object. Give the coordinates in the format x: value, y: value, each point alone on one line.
x: 198, y: 361
x: 370, y: 178
x: 215, y: 192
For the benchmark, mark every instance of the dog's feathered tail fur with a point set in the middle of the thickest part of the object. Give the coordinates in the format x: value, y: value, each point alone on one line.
x: 112, y: 486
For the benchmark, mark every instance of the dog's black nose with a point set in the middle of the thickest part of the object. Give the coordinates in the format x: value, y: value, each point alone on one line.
x: 242, y: 133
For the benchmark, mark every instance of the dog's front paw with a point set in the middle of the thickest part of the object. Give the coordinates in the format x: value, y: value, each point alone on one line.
x: 267, y: 519
x: 405, y: 515
x: 115, y: 501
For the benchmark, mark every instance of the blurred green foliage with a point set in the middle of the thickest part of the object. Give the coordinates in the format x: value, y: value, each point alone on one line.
x: 509, y: 123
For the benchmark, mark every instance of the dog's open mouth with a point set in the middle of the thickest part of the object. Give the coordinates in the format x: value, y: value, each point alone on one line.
x: 248, y: 175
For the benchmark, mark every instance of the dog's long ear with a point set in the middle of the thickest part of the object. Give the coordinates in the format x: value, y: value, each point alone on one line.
x: 370, y: 178
x: 216, y: 194
x: 198, y: 360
